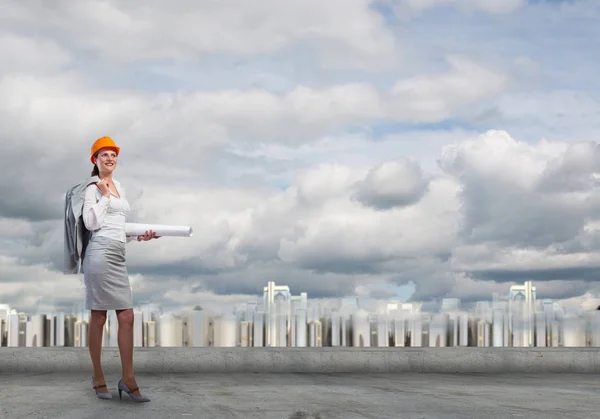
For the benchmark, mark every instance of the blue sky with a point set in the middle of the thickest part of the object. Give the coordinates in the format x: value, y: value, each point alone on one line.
x: 346, y: 149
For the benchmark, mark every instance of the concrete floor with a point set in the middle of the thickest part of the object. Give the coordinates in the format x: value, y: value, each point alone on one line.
x: 306, y: 396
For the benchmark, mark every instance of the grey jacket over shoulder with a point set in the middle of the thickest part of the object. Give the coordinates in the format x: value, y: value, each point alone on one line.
x: 77, y: 236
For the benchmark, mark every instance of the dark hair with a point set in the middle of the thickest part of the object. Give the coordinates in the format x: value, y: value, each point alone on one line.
x: 95, y: 170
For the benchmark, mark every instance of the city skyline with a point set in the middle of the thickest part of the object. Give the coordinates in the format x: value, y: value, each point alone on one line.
x: 281, y: 319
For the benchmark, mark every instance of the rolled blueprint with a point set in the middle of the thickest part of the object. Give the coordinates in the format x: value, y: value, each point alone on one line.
x: 138, y: 229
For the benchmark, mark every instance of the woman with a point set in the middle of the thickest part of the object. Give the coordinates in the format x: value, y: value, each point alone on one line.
x: 106, y: 279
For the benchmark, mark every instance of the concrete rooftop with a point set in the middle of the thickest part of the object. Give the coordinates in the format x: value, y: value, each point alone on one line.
x: 310, y: 360
x: 306, y: 396
x: 308, y: 383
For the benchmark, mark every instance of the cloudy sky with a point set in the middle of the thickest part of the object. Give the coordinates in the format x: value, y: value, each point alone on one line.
x: 410, y: 149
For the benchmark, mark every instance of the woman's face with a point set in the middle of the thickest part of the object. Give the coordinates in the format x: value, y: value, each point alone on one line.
x: 106, y: 160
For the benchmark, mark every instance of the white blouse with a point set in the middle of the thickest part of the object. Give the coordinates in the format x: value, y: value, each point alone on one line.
x: 106, y: 216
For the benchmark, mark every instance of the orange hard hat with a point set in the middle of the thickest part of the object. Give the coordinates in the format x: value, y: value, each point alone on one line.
x: 104, y: 142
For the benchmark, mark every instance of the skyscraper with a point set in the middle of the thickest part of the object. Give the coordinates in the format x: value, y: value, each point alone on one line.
x: 197, y: 328
x: 361, y: 329
x: 275, y: 298
x: 521, y: 308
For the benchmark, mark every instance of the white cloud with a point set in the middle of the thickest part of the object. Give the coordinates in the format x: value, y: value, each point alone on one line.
x: 492, y: 6
x: 563, y: 115
x: 503, y: 190
x: 392, y: 184
x: 60, y: 116
x: 520, y: 259
x: 20, y: 53
x: 184, y: 30
x: 345, y: 232
x: 435, y: 97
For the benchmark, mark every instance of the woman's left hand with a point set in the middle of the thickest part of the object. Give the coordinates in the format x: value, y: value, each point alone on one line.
x: 148, y: 236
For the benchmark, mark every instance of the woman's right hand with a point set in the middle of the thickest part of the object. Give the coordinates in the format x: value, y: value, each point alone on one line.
x: 103, y: 186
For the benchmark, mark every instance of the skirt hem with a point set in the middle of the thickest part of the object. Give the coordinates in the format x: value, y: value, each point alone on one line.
x: 110, y: 308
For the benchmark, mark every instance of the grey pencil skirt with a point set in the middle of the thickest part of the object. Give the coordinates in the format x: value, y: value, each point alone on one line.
x: 105, y: 275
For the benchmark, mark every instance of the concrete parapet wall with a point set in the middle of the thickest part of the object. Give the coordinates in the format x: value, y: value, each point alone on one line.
x: 310, y: 360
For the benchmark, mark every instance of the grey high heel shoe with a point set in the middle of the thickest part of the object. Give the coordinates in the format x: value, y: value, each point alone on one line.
x: 138, y: 399
x: 100, y: 394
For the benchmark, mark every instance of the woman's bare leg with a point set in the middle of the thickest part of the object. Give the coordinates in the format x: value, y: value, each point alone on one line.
x: 125, y: 340
x: 95, y: 332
